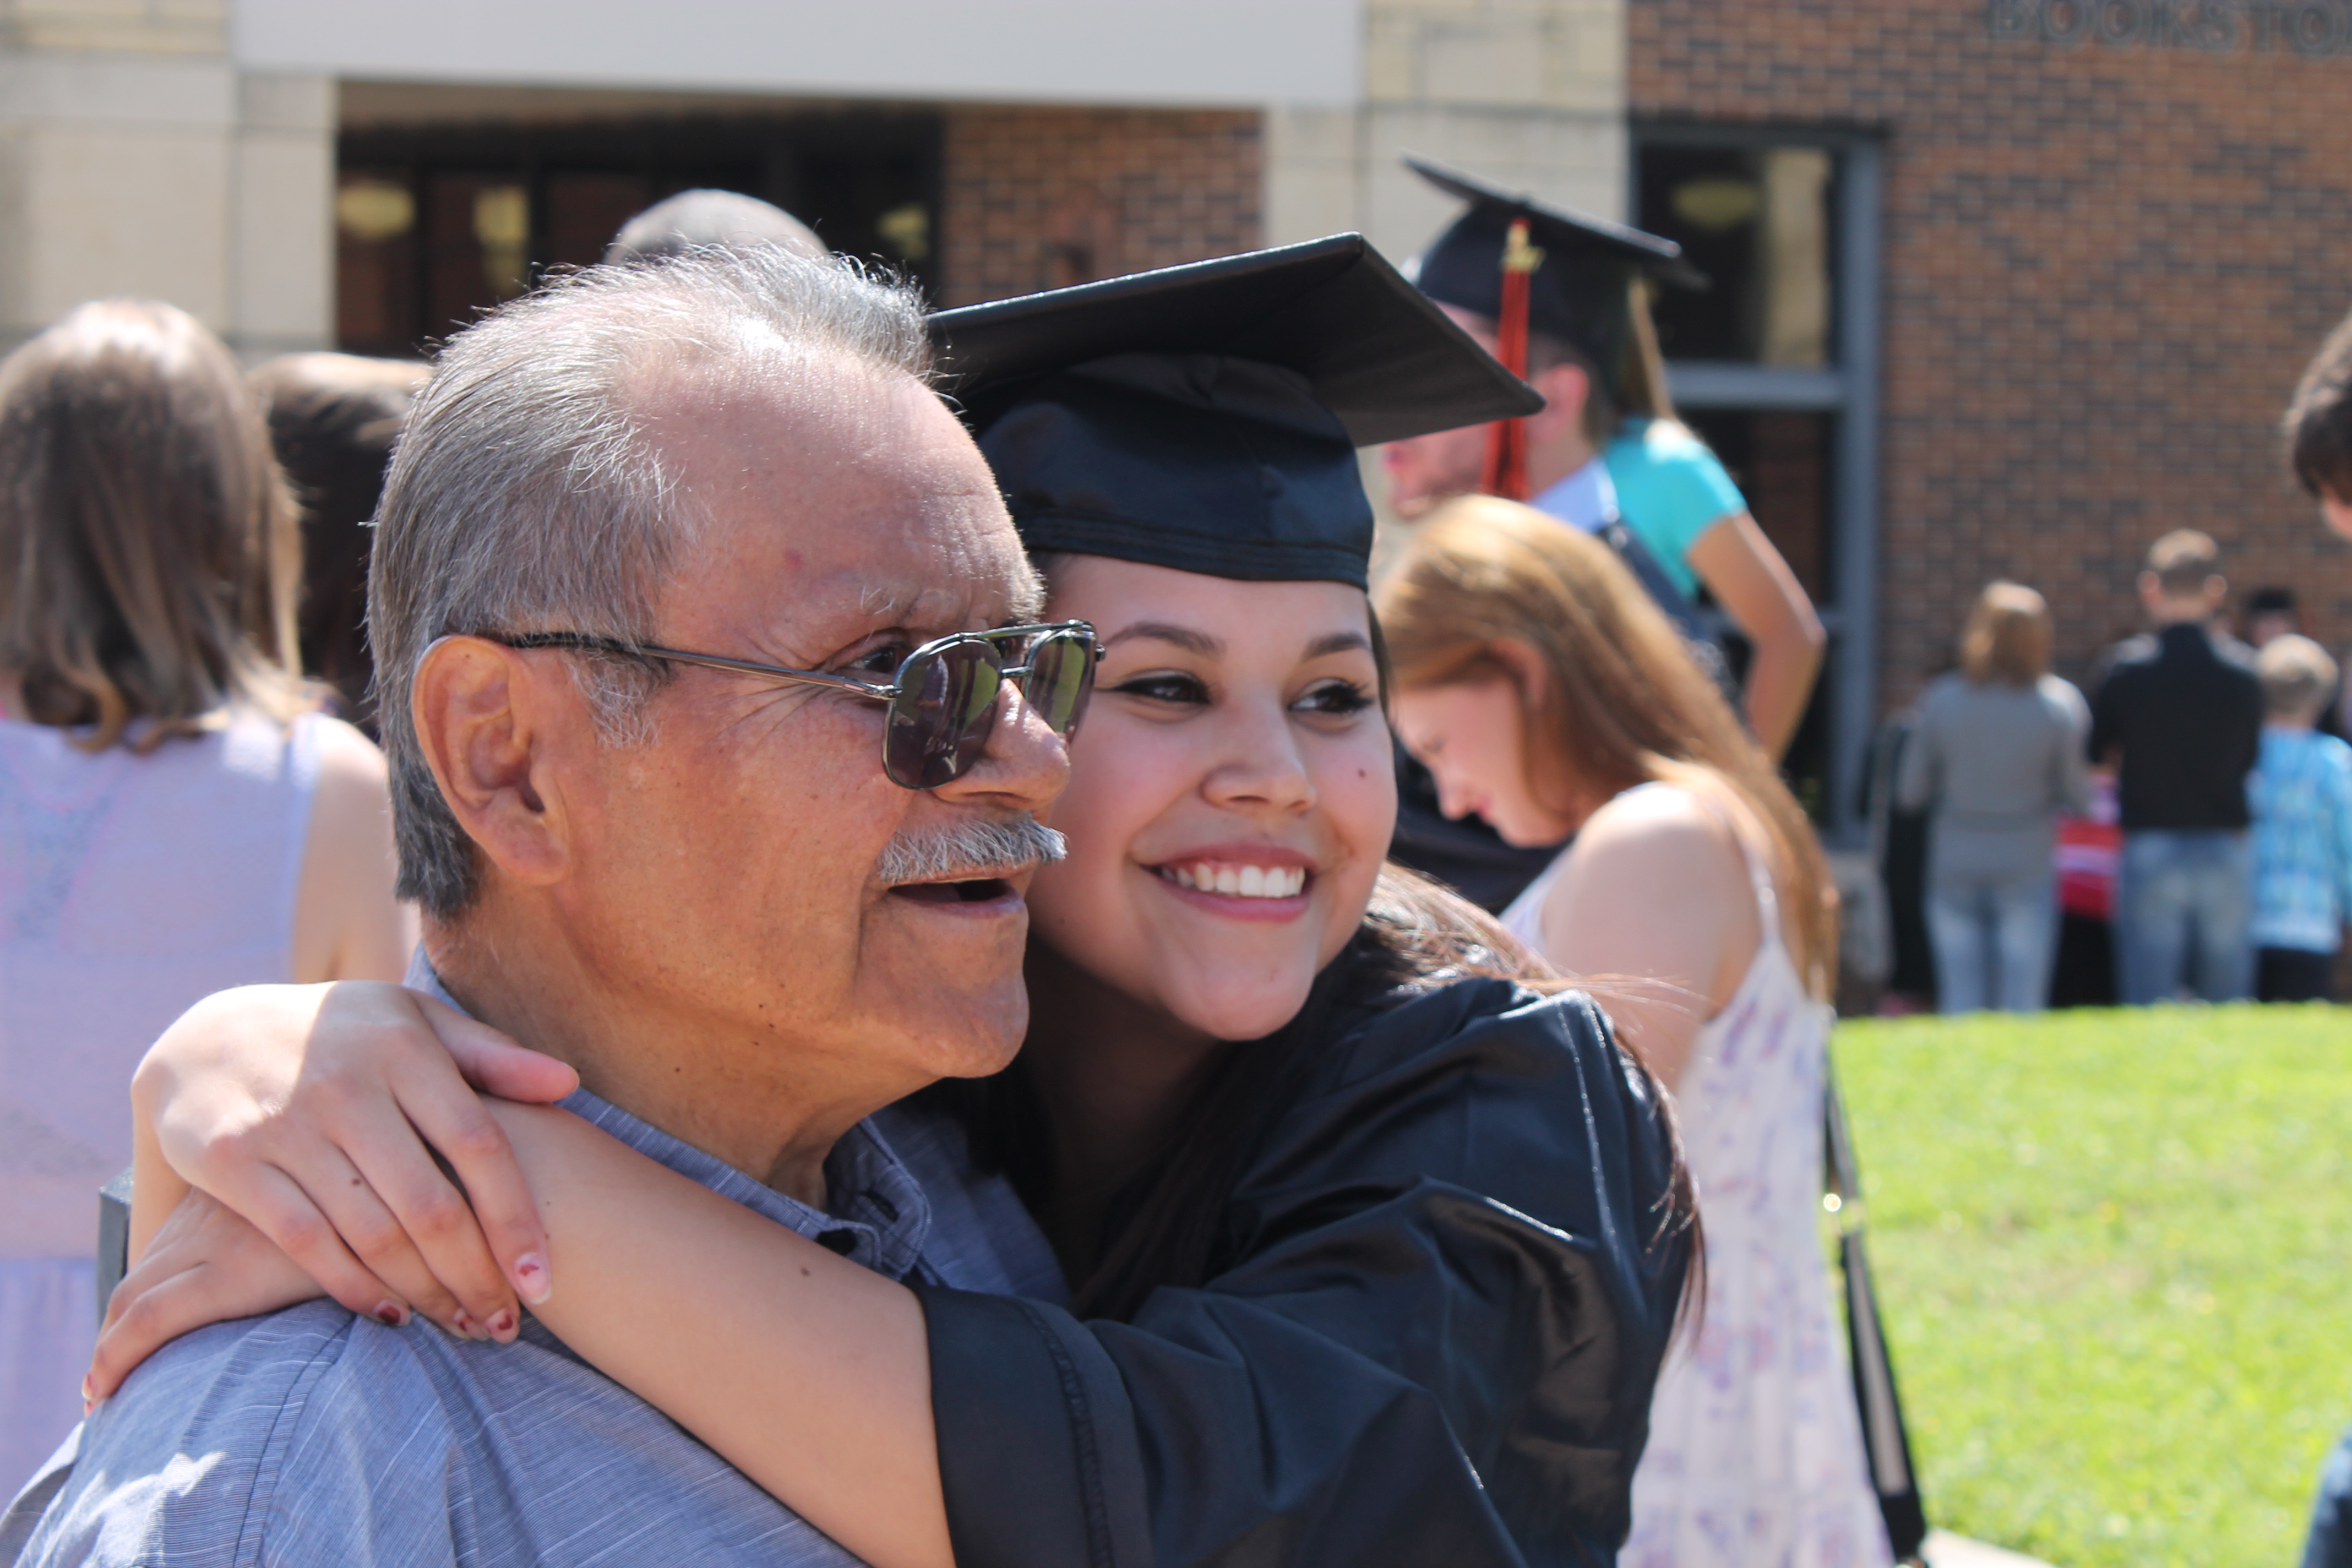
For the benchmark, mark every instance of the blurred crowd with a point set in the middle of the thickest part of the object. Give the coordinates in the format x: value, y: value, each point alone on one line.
x: 2184, y: 832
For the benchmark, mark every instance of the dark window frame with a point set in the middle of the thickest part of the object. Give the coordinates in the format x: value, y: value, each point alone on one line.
x: 1848, y: 389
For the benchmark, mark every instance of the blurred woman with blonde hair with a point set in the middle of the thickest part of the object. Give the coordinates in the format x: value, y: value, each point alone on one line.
x: 1548, y: 694
x: 172, y: 818
x: 1995, y: 755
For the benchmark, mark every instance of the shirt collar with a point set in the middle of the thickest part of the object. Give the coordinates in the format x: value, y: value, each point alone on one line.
x: 877, y: 1213
x: 1587, y: 499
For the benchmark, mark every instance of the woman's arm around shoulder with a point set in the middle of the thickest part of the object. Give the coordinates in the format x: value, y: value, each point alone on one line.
x: 1439, y: 1301
x: 347, y: 924
x: 1656, y: 900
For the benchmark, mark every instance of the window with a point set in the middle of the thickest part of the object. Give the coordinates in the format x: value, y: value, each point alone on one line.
x: 436, y: 223
x: 1775, y: 365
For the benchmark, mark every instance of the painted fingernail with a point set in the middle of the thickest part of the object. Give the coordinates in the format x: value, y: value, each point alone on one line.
x: 532, y: 1281
x: 502, y: 1325
x: 465, y: 1327
x: 392, y: 1314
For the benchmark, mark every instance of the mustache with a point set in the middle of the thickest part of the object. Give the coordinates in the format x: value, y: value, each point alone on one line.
x: 968, y: 851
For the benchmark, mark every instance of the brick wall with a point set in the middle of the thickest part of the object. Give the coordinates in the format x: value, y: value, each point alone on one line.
x: 2105, y: 265
x: 1040, y: 199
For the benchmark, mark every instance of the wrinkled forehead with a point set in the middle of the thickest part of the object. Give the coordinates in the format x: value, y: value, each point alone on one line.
x: 837, y: 493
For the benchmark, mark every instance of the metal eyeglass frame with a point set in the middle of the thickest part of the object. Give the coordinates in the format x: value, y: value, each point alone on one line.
x: 587, y: 642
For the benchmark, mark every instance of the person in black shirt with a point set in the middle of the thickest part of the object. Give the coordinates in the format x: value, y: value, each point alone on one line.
x: 2180, y: 713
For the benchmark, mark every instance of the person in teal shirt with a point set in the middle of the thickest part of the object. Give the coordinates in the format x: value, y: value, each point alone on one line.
x: 1607, y: 447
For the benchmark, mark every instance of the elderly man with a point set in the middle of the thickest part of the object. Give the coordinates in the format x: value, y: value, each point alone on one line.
x: 750, y: 906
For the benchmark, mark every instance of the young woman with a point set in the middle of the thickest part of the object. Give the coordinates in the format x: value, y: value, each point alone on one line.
x: 1996, y: 757
x: 1548, y: 694
x: 157, y: 757
x: 1371, y: 1251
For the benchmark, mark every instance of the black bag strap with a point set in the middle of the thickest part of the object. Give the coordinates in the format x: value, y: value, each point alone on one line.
x: 1886, y: 1443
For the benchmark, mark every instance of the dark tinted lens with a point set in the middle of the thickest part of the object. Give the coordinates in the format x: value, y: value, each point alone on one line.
x: 940, y: 721
x: 1061, y: 678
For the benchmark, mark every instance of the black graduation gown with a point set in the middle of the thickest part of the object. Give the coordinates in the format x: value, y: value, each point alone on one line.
x: 1434, y: 1339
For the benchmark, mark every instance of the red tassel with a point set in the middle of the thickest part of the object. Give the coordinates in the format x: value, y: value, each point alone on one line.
x: 1506, y: 443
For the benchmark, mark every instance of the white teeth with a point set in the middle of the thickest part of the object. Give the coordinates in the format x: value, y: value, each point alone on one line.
x: 1241, y: 881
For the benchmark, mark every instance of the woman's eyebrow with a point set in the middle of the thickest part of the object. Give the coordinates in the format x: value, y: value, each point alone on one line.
x: 1185, y: 637
x: 1339, y: 641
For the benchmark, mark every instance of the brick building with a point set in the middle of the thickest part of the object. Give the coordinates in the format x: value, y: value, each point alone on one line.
x: 2105, y: 239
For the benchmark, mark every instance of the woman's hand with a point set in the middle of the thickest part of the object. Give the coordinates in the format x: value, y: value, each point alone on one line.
x: 206, y: 1265
x: 316, y: 1112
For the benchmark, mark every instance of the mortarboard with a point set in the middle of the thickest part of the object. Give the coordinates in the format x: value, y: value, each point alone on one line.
x: 1206, y: 418
x: 1528, y: 267
x: 1578, y: 290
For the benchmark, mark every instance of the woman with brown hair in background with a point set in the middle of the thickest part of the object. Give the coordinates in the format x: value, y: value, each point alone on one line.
x: 332, y: 420
x: 1996, y: 755
x: 173, y: 819
x: 1548, y: 694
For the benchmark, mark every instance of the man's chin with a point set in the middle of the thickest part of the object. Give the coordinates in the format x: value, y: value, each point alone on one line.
x: 947, y: 972
x: 975, y: 1036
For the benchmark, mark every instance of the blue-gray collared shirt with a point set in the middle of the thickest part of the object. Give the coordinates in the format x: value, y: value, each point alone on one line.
x: 313, y: 1436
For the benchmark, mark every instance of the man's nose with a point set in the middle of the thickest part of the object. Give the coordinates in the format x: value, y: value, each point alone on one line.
x: 1025, y: 766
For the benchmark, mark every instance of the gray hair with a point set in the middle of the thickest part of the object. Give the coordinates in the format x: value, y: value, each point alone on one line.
x: 525, y: 494
x: 965, y: 850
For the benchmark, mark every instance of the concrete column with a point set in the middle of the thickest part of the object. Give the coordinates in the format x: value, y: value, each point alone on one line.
x: 135, y: 161
x: 1529, y: 92
x: 281, y: 222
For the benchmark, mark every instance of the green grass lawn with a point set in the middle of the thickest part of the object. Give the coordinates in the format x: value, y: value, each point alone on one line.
x: 2114, y: 1255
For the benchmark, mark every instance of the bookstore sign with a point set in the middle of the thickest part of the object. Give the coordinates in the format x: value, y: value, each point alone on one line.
x: 2313, y: 28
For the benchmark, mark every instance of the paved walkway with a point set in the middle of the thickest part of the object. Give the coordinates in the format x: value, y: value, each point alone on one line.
x: 1945, y: 1550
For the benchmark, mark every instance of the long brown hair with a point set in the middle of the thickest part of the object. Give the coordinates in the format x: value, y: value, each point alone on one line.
x: 1624, y: 703
x: 2007, y: 642
x: 149, y: 556
x: 332, y: 419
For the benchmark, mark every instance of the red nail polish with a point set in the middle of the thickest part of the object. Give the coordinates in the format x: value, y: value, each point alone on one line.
x: 391, y: 1315
x: 501, y: 1324
x: 466, y: 1328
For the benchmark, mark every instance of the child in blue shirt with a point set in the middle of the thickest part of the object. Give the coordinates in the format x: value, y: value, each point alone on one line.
x: 2301, y: 796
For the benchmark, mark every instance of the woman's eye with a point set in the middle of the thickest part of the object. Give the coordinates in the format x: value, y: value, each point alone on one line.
x: 1336, y: 699
x: 1166, y: 686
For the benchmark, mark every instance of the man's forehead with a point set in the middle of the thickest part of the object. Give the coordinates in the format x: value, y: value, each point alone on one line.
x: 823, y: 601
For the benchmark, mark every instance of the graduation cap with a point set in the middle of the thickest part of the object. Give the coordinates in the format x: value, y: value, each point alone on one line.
x: 1529, y: 266
x: 1206, y: 418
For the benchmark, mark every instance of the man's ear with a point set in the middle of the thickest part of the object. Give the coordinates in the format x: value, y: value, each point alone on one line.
x: 2217, y: 588
x: 484, y: 714
x: 2151, y: 591
x: 1566, y: 389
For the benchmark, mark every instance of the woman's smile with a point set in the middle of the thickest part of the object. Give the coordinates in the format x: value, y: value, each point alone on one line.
x: 1240, y: 882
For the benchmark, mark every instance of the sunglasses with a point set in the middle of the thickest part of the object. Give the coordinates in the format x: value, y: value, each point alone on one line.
x: 944, y: 700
